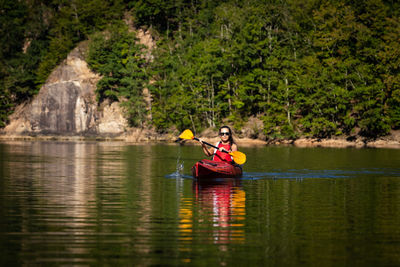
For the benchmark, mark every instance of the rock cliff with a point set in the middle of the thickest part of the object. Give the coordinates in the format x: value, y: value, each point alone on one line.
x: 66, y: 104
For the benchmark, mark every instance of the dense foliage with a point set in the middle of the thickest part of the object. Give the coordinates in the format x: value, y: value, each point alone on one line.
x: 119, y: 58
x: 304, y: 67
x: 36, y: 35
x: 317, y: 68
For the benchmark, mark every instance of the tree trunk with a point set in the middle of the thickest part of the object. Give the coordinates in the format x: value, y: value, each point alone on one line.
x: 287, y: 101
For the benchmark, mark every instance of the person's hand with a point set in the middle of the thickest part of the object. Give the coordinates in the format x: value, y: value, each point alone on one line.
x: 223, y: 150
x: 201, y: 142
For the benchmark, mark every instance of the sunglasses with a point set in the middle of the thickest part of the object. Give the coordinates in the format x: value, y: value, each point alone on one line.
x: 224, y: 133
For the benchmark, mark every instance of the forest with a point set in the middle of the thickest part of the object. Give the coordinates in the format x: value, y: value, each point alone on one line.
x: 304, y: 67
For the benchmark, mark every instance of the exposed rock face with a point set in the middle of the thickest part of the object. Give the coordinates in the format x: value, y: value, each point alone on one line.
x: 111, y: 119
x: 66, y: 104
x: 147, y: 40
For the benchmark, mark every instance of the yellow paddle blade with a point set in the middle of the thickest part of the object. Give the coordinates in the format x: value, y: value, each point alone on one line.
x: 238, y: 157
x: 187, y: 134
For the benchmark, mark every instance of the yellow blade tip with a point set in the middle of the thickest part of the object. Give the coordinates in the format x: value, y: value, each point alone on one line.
x: 187, y: 134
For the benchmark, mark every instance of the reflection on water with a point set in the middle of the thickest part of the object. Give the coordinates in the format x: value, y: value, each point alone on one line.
x: 93, y: 203
x: 215, y: 213
x: 224, y: 201
x: 220, y: 204
x: 54, y: 191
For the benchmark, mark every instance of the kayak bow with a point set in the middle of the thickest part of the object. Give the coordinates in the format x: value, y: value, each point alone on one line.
x: 212, y: 169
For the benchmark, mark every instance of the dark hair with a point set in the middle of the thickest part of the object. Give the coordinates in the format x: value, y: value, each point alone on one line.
x: 231, y: 141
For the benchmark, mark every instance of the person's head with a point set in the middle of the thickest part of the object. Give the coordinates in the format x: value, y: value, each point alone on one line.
x: 225, y: 133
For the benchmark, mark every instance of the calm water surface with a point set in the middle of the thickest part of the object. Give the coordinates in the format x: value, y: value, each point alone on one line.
x: 112, y: 203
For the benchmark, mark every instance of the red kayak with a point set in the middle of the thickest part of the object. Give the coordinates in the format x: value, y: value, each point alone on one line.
x: 206, y: 168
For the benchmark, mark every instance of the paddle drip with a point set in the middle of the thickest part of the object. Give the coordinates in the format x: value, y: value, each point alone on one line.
x: 179, y: 167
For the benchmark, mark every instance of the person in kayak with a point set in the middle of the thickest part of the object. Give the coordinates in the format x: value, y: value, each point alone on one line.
x: 226, y: 144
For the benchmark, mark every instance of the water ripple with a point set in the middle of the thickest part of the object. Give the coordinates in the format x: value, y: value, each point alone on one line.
x: 331, y: 174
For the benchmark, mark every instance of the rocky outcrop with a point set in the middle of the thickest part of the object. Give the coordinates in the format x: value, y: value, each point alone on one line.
x: 111, y: 119
x: 66, y: 104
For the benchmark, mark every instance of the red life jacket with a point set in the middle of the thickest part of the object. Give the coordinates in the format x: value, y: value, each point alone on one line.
x: 222, y: 156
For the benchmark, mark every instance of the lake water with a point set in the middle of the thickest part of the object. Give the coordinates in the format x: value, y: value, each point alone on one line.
x: 88, y: 203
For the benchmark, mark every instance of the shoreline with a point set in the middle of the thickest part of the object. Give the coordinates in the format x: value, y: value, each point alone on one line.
x: 392, y: 141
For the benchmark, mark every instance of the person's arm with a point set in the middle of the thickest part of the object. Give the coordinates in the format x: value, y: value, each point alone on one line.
x: 207, y: 151
x: 233, y: 148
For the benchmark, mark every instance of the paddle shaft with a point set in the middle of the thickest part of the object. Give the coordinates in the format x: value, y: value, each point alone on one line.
x: 197, y: 139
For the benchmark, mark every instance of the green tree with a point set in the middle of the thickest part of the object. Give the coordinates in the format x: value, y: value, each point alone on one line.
x: 12, y: 20
x: 389, y: 57
x: 75, y: 21
x: 119, y: 58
